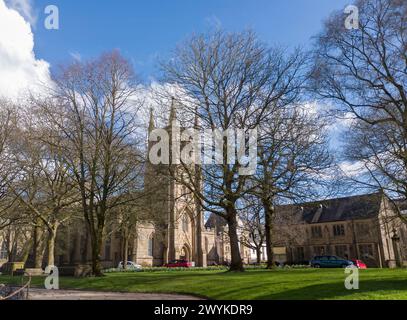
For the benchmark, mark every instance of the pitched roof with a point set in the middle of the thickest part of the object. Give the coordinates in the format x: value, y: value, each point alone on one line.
x: 340, y: 209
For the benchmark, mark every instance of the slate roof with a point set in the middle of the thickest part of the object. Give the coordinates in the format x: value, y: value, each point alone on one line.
x: 340, y: 209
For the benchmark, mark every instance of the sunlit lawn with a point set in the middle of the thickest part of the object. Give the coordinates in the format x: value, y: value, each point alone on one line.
x: 253, y: 284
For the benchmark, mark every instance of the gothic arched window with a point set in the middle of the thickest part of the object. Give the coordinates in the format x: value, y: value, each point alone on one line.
x: 185, y: 226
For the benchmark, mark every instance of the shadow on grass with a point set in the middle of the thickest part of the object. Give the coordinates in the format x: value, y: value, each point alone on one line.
x: 369, y: 289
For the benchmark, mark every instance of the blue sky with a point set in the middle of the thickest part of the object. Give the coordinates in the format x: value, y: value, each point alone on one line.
x: 145, y: 30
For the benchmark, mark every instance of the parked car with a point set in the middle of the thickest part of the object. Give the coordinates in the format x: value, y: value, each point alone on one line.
x: 330, y: 262
x: 360, y: 264
x: 130, y: 266
x: 179, y: 264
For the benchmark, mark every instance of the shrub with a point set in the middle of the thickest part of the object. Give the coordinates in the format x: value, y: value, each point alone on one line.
x: 165, y: 269
x: 209, y: 268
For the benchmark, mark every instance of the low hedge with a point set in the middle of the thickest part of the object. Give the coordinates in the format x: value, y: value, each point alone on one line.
x: 210, y: 268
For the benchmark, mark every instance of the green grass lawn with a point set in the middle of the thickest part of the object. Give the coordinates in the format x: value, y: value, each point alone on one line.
x: 254, y: 284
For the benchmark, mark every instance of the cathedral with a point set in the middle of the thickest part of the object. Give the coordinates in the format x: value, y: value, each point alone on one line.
x: 178, y: 229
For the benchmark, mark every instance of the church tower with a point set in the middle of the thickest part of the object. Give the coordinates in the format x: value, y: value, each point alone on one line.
x: 176, y: 211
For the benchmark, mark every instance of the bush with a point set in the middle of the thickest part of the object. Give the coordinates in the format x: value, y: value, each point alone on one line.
x: 165, y: 269
x: 209, y: 268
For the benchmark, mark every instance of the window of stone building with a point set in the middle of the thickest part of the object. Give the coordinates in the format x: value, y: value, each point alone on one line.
x: 184, y: 191
x: 342, y: 251
x: 319, y: 250
x: 316, y: 232
x: 206, y: 245
x: 299, y: 251
x: 150, y: 246
x: 185, y: 223
x: 339, y: 230
x: 366, y: 251
x: 362, y: 229
x: 3, y: 251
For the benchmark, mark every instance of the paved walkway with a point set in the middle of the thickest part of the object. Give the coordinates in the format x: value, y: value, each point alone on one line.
x: 42, y: 294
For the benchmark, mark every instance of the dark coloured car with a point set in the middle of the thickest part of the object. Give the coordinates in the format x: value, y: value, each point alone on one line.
x: 330, y: 262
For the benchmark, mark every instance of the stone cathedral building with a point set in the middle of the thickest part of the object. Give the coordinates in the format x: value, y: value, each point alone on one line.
x: 178, y: 229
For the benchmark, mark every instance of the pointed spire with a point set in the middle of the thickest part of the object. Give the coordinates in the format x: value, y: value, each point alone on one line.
x: 173, y: 113
x: 151, y: 125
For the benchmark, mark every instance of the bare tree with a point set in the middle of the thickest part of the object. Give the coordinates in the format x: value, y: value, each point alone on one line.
x: 228, y: 81
x: 364, y: 72
x: 96, y: 118
x: 44, y: 185
x: 126, y: 218
x: 252, y: 229
x: 8, y: 125
x: 293, y: 158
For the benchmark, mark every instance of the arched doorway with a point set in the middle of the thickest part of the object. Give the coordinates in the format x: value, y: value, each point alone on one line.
x: 185, y: 253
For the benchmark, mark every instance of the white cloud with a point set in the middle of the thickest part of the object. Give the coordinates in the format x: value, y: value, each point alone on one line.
x: 25, y: 8
x: 353, y: 169
x: 21, y: 72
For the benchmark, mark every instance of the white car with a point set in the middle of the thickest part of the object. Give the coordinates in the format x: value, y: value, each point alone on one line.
x: 130, y: 266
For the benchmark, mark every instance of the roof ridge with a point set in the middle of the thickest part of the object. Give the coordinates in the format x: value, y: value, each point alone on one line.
x: 316, y: 202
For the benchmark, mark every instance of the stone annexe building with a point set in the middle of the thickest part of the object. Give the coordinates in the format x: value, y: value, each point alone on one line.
x: 362, y: 227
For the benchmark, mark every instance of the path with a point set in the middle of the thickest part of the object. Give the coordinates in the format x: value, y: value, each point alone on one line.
x: 42, y: 294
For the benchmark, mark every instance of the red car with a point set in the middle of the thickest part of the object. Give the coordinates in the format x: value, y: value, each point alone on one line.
x: 179, y: 264
x: 360, y: 264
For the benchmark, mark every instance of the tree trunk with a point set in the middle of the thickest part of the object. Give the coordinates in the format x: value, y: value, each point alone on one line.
x: 97, y: 239
x: 38, y: 247
x: 96, y: 265
x: 52, y: 233
x: 84, y: 250
x: 236, y: 263
x: 258, y: 253
x: 26, y: 252
x: 269, y: 211
x: 9, y: 246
